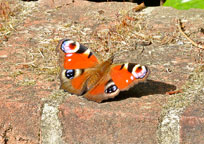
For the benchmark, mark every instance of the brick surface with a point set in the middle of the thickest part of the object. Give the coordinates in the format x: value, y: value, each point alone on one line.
x: 127, y: 121
x: 27, y: 75
x: 20, y: 122
x: 132, y: 116
x: 192, y: 124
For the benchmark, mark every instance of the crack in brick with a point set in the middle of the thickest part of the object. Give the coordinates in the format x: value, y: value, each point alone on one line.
x: 5, y: 135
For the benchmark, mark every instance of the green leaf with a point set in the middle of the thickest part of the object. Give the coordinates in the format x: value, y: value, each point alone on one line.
x: 185, y: 4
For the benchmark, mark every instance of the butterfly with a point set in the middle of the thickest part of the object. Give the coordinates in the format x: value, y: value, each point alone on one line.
x: 83, y: 73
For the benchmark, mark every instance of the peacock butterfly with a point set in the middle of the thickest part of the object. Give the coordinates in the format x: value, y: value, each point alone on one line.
x: 82, y: 73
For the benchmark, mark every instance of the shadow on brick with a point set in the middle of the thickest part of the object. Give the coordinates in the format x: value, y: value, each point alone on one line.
x: 149, y: 87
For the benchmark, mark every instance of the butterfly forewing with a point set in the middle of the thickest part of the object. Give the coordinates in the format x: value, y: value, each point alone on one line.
x: 75, y: 55
x: 128, y: 74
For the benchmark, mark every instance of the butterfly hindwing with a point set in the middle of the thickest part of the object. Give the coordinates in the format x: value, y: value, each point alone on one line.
x: 119, y: 78
x: 103, y: 90
x: 73, y: 80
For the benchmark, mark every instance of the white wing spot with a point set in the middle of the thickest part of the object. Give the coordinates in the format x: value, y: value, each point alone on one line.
x: 69, y: 55
x: 132, y: 78
x: 69, y: 60
x: 87, y: 52
x: 126, y: 81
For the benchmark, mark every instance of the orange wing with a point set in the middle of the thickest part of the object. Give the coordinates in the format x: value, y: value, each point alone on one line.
x: 103, y: 90
x: 119, y: 78
x: 126, y: 75
x: 79, y: 61
x: 75, y: 55
x: 74, y: 59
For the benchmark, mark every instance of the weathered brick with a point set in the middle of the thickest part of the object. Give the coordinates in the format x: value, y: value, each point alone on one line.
x: 192, y: 124
x: 19, y: 122
x: 128, y: 121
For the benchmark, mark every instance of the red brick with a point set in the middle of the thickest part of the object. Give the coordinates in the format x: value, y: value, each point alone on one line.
x: 129, y: 118
x: 192, y: 124
x: 127, y: 121
x: 19, y: 122
x: 3, y: 54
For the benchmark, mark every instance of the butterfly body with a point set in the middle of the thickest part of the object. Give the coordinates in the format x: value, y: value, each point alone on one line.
x: 82, y: 73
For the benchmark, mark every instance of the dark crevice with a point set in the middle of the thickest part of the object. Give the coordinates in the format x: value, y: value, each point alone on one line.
x: 29, y: 0
x: 146, y: 2
x: 5, y: 135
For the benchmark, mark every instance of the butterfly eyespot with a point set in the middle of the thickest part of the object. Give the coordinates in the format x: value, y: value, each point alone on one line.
x: 139, y: 69
x: 70, y: 73
x: 69, y: 46
x: 139, y: 72
x: 111, y: 89
x: 72, y: 46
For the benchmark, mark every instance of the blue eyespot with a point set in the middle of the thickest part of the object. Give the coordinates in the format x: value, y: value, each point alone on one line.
x: 111, y: 89
x: 70, y: 73
x: 65, y: 46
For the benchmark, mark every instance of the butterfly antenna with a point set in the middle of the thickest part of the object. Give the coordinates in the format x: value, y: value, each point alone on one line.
x: 111, y: 57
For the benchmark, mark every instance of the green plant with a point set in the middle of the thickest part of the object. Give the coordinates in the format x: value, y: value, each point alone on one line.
x: 185, y: 4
